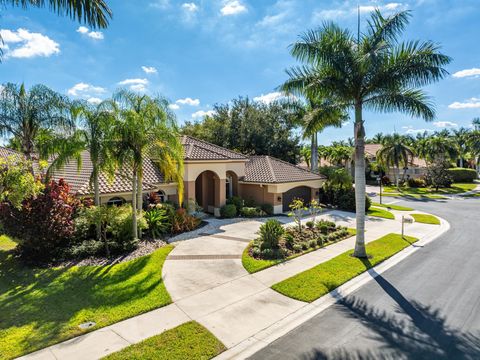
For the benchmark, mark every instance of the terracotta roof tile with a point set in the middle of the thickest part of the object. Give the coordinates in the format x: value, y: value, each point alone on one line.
x: 267, y: 169
x: 195, y: 149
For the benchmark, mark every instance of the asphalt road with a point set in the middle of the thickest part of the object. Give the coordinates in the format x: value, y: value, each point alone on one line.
x: 426, y: 307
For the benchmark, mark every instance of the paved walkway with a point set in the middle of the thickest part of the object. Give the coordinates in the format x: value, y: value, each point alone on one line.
x: 208, y: 283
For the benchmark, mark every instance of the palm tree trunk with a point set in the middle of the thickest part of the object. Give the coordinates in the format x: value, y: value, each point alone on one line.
x: 314, y: 153
x: 461, y: 161
x: 134, y: 205
x: 96, y: 190
x: 139, y: 198
x: 360, y: 190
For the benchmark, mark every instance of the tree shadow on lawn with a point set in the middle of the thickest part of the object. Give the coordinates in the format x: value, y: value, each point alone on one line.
x: 425, y: 336
x: 51, y: 303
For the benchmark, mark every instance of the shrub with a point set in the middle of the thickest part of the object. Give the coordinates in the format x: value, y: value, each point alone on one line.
x: 249, y: 202
x: 289, y: 240
x: 304, y: 245
x: 182, y: 221
x: 267, y: 209
x: 462, y: 174
x: 251, y: 212
x: 323, y: 229
x: 438, y: 175
x: 256, y: 252
x: 343, y: 198
x: 416, y: 183
x: 332, y: 237
x: 158, y: 221
x: 270, y: 234
x: 386, y: 180
x: 312, y: 243
x: 297, y: 247
x: 237, y: 201
x: 310, y: 224
x: 321, y: 240
x: 44, y: 224
x: 228, y: 211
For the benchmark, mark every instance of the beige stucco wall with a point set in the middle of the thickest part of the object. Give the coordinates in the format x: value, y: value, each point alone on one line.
x: 193, y: 169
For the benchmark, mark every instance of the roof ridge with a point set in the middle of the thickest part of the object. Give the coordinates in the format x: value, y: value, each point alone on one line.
x: 285, y: 162
x: 271, y: 168
x: 216, y: 147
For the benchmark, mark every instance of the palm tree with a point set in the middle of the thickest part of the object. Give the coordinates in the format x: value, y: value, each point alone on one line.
x: 377, y: 138
x: 461, y: 138
x: 95, y: 13
x: 95, y: 135
x: 437, y: 148
x: 306, y: 154
x: 476, y: 123
x: 474, y: 145
x: 24, y: 114
x: 147, y: 128
x: 315, y: 115
x: 371, y: 70
x: 395, y: 153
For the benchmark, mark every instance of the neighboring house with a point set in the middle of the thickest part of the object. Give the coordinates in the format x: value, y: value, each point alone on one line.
x: 212, y: 174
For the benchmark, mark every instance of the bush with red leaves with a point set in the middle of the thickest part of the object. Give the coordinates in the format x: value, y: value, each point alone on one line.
x: 45, y: 224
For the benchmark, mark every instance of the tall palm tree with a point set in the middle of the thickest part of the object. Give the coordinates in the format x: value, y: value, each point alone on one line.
x: 95, y: 135
x: 460, y: 136
x: 24, y: 114
x: 377, y: 138
x: 395, y: 153
x: 474, y: 146
x: 437, y: 148
x: 147, y: 128
x: 370, y: 70
x: 95, y: 13
x: 306, y: 154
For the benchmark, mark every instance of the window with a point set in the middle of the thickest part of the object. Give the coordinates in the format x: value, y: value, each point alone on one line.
x: 161, y: 196
x: 229, y: 186
x: 116, y: 201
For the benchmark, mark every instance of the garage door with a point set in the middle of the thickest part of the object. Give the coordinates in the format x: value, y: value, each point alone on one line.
x: 300, y: 192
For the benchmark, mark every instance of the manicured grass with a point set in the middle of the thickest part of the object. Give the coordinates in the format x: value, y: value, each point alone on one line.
x: 7, y: 243
x: 40, y: 307
x: 393, y: 207
x: 427, y: 192
x: 253, y: 265
x: 381, y: 213
x: 425, y: 219
x: 187, y: 341
x: 320, y: 280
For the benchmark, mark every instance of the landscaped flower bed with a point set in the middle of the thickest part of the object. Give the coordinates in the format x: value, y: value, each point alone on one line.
x: 276, y: 244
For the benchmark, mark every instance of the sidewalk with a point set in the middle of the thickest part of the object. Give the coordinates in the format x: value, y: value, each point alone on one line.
x: 208, y: 283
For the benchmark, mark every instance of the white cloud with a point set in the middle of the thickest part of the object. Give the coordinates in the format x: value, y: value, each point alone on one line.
x: 202, y: 113
x: 188, y: 101
x: 149, y: 69
x: 347, y: 10
x: 474, y: 72
x: 94, y: 100
x: 191, y: 7
x: 174, y: 106
x: 270, y: 97
x: 444, y: 124
x: 96, y: 35
x: 160, y: 4
x: 25, y: 44
x: 139, y: 85
x: 233, y: 7
x: 412, y: 131
x: 473, y: 103
x: 85, y: 90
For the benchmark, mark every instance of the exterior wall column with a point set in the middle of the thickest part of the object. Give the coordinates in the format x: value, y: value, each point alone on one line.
x: 188, y: 191
x: 220, y: 195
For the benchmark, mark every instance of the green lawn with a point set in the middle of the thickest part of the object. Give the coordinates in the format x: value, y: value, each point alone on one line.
x: 7, y: 243
x: 393, y: 207
x: 320, y: 280
x: 425, y: 219
x: 381, y: 213
x: 253, y: 265
x: 40, y: 307
x: 187, y: 341
x: 429, y: 193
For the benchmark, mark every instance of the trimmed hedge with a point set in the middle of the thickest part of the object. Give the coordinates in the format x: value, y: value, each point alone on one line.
x: 462, y: 174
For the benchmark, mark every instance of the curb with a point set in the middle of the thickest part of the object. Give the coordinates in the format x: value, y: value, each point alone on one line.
x: 268, y: 335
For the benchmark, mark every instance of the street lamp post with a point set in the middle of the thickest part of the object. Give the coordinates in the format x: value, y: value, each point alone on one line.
x: 379, y: 178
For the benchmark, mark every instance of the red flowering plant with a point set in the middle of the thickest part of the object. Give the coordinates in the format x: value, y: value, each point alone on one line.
x: 44, y: 225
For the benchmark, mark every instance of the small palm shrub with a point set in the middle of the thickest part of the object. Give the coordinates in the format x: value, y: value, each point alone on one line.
x: 270, y: 234
x: 250, y: 212
x: 158, y: 221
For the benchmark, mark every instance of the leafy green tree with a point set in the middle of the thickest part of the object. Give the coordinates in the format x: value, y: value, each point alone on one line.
x: 146, y: 128
x: 252, y: 128
x: 24, y: 114
x: 395, y: 153
x: 437, y: 174
x: 370, y: 70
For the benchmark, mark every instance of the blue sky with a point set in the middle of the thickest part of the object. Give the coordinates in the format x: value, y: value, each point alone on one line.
x: 198, y: 53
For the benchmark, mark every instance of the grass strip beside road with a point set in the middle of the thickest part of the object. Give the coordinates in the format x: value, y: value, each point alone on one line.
x: 393, y: 207
x: 187, y: 341
x: 44, y: 306
x: 320, y: 280
x: 253, y: 265
x: 425, y: 219
x: 381, y: 213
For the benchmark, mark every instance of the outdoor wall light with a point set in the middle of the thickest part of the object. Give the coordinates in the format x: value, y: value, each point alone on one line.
x: 279, y: 198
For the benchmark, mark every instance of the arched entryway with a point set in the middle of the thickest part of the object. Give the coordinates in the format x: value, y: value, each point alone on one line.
x: 210, y: 191
x: 299, y: 192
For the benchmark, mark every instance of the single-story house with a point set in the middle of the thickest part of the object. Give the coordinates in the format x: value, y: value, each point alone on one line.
x: 212, y: 174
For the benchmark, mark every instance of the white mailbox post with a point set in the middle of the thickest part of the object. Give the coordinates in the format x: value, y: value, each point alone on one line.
x: 405, y: 220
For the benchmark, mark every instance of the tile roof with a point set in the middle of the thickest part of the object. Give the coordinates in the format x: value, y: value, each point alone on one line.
x: 267, y: 169
x: 195, y: 149
x: 5, y: 152
x: 371, y: 151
